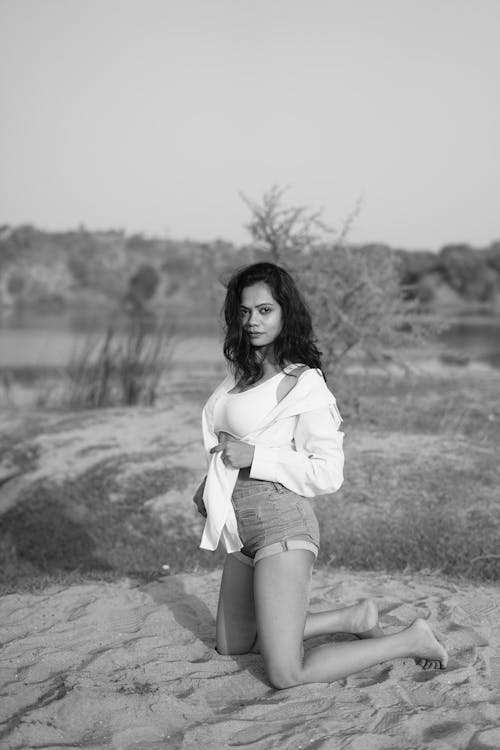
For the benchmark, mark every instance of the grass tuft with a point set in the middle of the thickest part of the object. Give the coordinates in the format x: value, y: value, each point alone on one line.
x: 420, y: 493
x: 91, y: 526
x: 120, y: 370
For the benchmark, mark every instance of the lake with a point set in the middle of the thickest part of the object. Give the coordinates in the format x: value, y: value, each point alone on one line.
x: 31, y: 341
x: 477, y: 339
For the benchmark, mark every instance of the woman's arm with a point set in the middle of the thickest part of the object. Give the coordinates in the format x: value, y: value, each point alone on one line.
x: 315, y: 465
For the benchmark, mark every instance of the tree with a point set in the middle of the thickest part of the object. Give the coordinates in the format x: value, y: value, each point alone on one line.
x: 143, y: 284
x: 354, y: 294
x: 414, y: 266
x: 468, y: 273
x: 282, y: 230
x: 492, y: 256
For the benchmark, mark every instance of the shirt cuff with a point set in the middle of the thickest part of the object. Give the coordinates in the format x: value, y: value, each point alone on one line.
x: 263, y: 464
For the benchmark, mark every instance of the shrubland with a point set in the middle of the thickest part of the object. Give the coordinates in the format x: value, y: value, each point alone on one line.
x: 421, y: 468
x: 51, y: 270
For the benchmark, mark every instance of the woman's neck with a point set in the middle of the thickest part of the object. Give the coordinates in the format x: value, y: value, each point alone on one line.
x: 268, y: 362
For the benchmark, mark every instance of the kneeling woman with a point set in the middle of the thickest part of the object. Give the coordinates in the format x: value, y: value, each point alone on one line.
x: 271, y: 432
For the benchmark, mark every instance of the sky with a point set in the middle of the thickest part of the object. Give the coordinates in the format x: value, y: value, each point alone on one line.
x: 153, y: 116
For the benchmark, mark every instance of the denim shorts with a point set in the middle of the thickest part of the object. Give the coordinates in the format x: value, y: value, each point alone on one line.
x: 271, y: 519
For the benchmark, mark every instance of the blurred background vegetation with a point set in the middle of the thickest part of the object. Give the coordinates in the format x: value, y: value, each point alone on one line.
x: 369, y: 302
x: 102, y: 319
x: 50, y: 270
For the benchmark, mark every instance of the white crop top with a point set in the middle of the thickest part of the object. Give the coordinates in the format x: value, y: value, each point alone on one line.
x: 242, y: 413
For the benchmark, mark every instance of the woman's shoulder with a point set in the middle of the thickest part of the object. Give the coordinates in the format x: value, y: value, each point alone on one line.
x: 297, y: 373
x: 296, y: 369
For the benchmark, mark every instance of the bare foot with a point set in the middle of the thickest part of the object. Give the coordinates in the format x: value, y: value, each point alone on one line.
x: 429, y: 653
x: 363, y: 620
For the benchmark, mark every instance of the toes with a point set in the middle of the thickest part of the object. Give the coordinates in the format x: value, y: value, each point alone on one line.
x: 427, y: 664
x: 431, y: 664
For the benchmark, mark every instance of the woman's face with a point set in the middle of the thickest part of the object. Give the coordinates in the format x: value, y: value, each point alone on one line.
x: 260, y: 314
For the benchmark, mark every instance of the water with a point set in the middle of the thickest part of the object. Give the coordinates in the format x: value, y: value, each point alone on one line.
x: 475, y: 340
x: 48, y: 341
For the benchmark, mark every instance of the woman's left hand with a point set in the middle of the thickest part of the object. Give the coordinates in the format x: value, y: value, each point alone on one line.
x: 235, y: 453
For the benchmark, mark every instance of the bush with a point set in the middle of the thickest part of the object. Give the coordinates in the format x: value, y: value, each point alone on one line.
x: 143, y: 284
x: 425, y: 291
x: 492, y: 257
x: 354, y: 294
x: 121, y: 370
x: 468, y: 273
x: 417, y: 270
x: 16, y: 283
x: 415, y: 264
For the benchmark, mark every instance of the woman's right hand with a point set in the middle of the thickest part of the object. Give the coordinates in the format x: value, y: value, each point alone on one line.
x: 198, y: 499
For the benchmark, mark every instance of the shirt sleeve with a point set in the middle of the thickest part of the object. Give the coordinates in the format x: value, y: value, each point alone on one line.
x: 315, y: 464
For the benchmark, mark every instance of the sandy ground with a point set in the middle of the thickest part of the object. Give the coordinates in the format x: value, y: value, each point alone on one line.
x: 122, y: 666
x: 134, y: 668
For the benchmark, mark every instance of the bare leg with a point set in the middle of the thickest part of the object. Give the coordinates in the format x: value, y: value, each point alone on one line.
x: 360, y: 619
x: 236, y: 629
x: 281, y: 593
x: 236, y: 623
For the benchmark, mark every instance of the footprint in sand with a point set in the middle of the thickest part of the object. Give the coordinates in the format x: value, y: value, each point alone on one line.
x: 363, y: 680
x: 140, y: 737
x: 125, y: 620
x: 445, y: 729
x: 462, y: 643
x: 464, y: 640
x: 428, y: 675
x: 488, y: 739
x: 391, y: 720
x: 495, y: 670
x: 481, y: 611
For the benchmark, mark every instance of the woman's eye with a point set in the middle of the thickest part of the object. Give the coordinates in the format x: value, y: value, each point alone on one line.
x: 265, y: 309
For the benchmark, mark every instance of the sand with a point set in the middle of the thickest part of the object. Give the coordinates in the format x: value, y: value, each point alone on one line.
x: 128, y: 666
x: 133, y: 667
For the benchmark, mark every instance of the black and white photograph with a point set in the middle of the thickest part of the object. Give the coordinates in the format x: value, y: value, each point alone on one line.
x: 250, y: 374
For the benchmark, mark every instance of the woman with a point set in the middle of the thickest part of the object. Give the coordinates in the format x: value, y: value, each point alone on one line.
x: 271, y: 432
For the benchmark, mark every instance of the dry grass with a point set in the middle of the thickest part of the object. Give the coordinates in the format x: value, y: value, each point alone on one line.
x: 432, y: 510
x: 90, y: 527
x: 460, y: 404
x: 422, y: 478
x: 120, y: 370
x: 421, y: 493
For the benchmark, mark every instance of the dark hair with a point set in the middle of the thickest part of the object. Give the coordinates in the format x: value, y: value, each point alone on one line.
x: 294, y: 343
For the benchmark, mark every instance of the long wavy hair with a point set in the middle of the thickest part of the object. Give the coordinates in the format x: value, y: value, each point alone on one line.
x: 296, y: 340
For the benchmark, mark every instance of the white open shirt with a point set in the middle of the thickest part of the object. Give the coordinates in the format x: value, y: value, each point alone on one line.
x: 298, y: 444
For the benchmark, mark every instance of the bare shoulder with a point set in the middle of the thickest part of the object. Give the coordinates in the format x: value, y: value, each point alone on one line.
x: 289, y: 381
x: 295, y: 371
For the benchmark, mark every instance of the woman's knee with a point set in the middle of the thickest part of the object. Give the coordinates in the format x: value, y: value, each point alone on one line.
x: 283, y: 676
x: 234, y: 648
x: 226, y: 650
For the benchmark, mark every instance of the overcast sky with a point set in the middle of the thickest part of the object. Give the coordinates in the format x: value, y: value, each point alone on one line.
x: 152, y: 115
